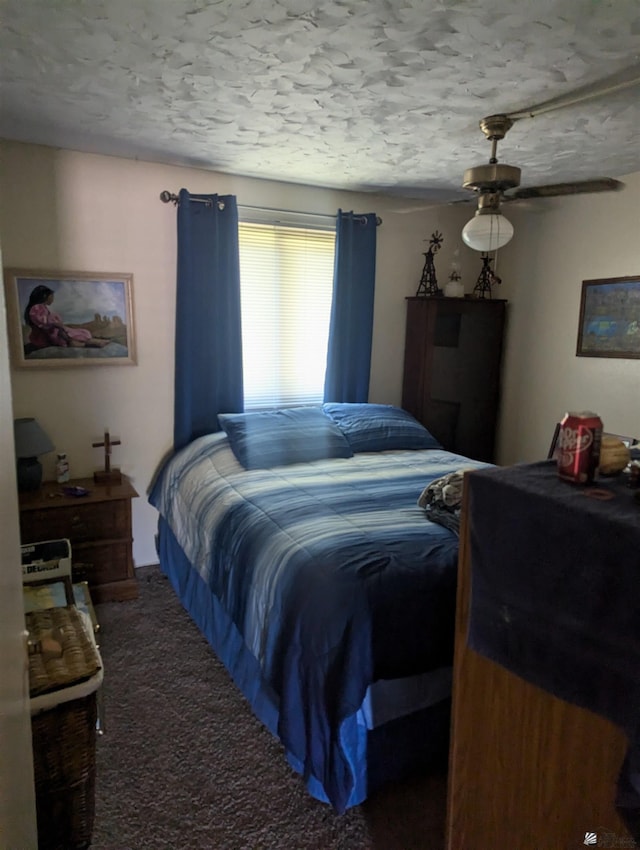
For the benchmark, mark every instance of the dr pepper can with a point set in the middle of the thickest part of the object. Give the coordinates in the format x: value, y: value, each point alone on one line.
x: 579, y: 441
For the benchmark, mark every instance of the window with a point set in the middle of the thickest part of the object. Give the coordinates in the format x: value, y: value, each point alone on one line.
x: 286, y: 284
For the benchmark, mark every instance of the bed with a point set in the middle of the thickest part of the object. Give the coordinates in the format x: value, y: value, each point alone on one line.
x: 295, y: 540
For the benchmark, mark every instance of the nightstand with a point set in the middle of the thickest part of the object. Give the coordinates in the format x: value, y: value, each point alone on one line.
x: 98, y: 526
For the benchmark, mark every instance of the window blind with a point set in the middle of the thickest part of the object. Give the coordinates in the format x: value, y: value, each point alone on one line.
x: 286, y: 285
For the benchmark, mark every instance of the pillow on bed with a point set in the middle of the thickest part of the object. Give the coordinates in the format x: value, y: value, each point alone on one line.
x: 281, y: 437
x: 378, y: 427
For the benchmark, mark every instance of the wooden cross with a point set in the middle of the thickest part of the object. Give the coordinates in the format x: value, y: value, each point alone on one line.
x: 107, y: 475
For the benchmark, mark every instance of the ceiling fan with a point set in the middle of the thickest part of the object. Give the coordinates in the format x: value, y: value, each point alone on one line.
x: 497, y: 183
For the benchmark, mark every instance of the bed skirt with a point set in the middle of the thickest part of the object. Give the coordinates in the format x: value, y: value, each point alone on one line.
x: 394, y: 750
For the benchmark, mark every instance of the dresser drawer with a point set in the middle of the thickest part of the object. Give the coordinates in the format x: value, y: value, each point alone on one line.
x: 99, y: 521
x: 98, y: 564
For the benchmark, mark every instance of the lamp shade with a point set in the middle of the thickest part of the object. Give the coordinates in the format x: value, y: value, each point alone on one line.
x: 30, y: 439
x: 487, y: 231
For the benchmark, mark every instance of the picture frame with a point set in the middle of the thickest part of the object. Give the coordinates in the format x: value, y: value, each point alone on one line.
x: 609, y: 323
x: 76, y: 319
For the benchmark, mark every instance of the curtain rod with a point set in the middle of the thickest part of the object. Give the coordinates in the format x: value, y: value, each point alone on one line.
x: 171, y: 198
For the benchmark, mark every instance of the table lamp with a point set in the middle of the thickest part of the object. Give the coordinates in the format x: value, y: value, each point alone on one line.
x: 30, y: 441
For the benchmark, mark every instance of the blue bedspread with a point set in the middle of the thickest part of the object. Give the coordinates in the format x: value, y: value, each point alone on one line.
x: 329, y: 570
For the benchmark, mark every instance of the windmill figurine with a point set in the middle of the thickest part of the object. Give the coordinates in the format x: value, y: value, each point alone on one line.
x: 486, y: 279
x: 428, y: 282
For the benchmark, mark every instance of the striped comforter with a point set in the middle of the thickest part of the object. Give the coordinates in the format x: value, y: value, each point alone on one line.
x: 331, y: 572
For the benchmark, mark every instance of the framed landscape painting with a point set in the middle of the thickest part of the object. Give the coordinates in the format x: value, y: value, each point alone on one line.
x: 63, y: 319
x: 610, y: 318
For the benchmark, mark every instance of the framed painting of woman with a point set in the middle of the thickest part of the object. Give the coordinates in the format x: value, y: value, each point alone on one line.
x: 63, y: 319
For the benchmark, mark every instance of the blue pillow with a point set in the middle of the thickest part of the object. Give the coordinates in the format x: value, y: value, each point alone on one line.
x: 284, y: 436
x: 378, y: 427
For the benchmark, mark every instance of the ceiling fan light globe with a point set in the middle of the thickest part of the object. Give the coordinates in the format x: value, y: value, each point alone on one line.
x: 487, y: 232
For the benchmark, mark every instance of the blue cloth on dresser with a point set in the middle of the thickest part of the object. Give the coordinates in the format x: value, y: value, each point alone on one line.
x: 556, y: 592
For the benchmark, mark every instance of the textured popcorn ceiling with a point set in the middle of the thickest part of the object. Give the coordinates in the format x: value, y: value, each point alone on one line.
x: 373, y: 95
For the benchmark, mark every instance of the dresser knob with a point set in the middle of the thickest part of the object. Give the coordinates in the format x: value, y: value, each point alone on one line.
x: 81, y: 570
x: 78, y: 527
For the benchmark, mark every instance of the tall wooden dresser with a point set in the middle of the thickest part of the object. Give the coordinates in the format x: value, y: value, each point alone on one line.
x: 453, y: 352
x: 529, y: 770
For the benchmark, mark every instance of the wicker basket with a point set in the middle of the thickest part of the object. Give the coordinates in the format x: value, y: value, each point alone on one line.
x: 63, y: 687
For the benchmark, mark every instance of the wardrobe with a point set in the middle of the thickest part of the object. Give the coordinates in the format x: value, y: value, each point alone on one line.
x: 451, y: 383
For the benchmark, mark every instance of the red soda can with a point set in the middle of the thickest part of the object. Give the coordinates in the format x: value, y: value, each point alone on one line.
x: 579, y: 442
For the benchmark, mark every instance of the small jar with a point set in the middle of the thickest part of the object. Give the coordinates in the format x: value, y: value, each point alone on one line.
x: 454, y: 288
x: 62, y: 469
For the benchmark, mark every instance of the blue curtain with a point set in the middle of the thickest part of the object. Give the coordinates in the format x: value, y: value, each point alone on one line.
x: 208, y: 370
x: 351, y: 326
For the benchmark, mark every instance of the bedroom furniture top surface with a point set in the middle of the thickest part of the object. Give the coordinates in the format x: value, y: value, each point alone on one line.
x: 451, y: 383
x: 98, y: 526
x: 443, y: 299
x: 51, y: 491
x: 529, y: 768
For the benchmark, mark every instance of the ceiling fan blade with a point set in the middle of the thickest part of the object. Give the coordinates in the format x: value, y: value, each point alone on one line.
x: 580, y: 187
x: 421, y: 208
x: 621, y: 80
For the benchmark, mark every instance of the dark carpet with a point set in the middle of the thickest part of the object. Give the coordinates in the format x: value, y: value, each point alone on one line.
x: 185, y: 764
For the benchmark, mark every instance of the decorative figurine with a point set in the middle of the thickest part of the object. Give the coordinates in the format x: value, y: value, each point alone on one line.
x: 486, y: 279
x: 454, y: 288
x: 428, y: 283
x: 107, y: 475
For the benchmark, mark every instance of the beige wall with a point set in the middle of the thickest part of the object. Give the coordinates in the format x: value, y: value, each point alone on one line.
x: 69, y: 211
x: 559, y: 243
